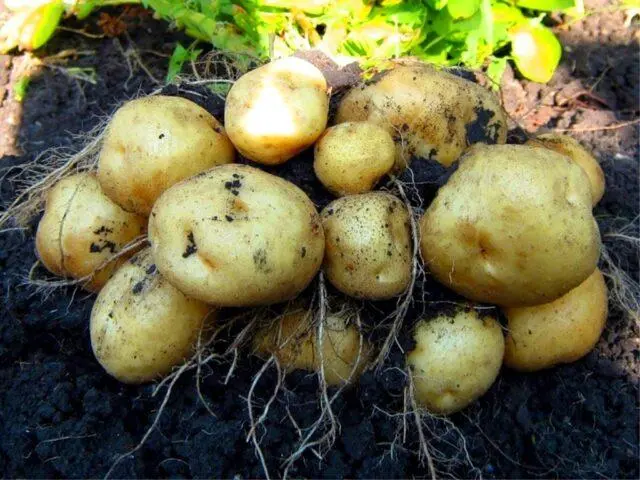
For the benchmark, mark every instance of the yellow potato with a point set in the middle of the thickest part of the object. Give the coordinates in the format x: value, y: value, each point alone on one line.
x: 571, y: 148
x: 561, y: 331
x: 237, y: 236
x: 456, y: 360
x: 154, y: 142
x: 368, y: 245
x: 430, y: 113
x: 352, y: 157
x: 277, y: 110
x: 512, y: 226
x: 141, y: 326
x: 82, y: 228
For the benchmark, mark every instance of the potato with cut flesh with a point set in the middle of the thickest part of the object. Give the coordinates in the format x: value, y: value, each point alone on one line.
x: 561, y: 331
x: 236, y: 236
x: 141, y: 326
x: 513, y: 226
x: 352, y: 157
x: 368, y: 245
x: 277, y: 110
x: 82, y: 229
x: 456, y: 359
x: 154, y: 142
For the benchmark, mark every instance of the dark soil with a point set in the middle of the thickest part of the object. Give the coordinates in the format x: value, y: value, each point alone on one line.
x: 61, y: 415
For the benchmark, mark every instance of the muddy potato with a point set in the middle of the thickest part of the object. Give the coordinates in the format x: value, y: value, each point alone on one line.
x: 456, y: 359
x: 571, y: 148
x: 430, y: 113
x: 277, y: 110
x: 236, y: 236
x: 561, y: 331
x: 141, y: 326
x: 154, y: 142
x: 512, y: 226
x: 368, y: 245
x: 352, y: 157
x: 82, y: 228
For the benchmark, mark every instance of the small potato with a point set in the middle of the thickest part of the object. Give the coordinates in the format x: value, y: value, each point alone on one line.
x: 141, y: 326
x: 82, y: 228
x: 562, y: 331
x: 294, y: 342
x: 571, y: 148
x: 512, y: 226
x: 352, y: 157
x: 154, y: 142
x: 456, y: 359
x: 430, y: 113
x: 236, y: 236
x: 368, y: 245
x: 277, y: 110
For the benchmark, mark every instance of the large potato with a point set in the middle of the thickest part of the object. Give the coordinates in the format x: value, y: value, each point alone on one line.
x: 561, y: 331
x: 277, y: 110
x: 82, y: 228
x: 141, y: 326
x: 431, y: 114
x: 512, y: 226
x: 571, y: 148
x: 236, y: 236
x: 152, y: 143
x: 352, y: 157
x: 368, y: 245
x: 455, y: 360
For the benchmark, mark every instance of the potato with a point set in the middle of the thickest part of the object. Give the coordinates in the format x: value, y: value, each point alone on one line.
x: 154, y: 142
x: 277, y: 110
x: 571, y: 148
x: 141, y: 326
x: 293, y: 340
x: 82, y: 228
x: 430, y: 113
x: 561, y: 331
x: 352, y: 157
x: 456, y: 359
x: 512, y: 226
x: 368, y: 245
x: 236, y: 236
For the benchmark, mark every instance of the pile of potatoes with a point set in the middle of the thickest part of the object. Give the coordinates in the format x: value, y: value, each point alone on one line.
x: 512, y: 227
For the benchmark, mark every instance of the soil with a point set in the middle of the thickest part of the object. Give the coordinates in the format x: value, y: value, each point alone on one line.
x: 62, y: 416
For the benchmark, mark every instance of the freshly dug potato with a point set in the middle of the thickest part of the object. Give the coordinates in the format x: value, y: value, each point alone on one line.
x: 152, y: 143
x: 561, y: 331
x: 512, y: 226
x: 368, y: 245
x: 82, y: 228
x: 236, y: 236
x: 277, y: 110
x: 456, y: 359
x: 571, y: 148
x: 431, y: 113
x: 293, y: 340
x: 352, y: 157
x: 141, y: 326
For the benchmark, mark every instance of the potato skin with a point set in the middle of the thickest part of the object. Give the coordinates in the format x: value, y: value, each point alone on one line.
x: 352, y: 157
x: 571, y: 148
x: 368, y: 245
x: 154, y: 142
x: 82, y: 228
x: 277, y: 110
x: 512, y: 226
x: 431, y: 113
x: 236, y: 236
x: 456, y: 360
x: 141, y: 326
x: 561, y: 331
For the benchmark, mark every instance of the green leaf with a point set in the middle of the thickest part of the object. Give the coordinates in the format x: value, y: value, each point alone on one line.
x: 437, y: 4
x: 178, y: 58
x: 536, y: 51
x: 50, y: 16
x: 495, y: 71
x: 20, y: 88
x: 463, y: 8
x: 546, y: 5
